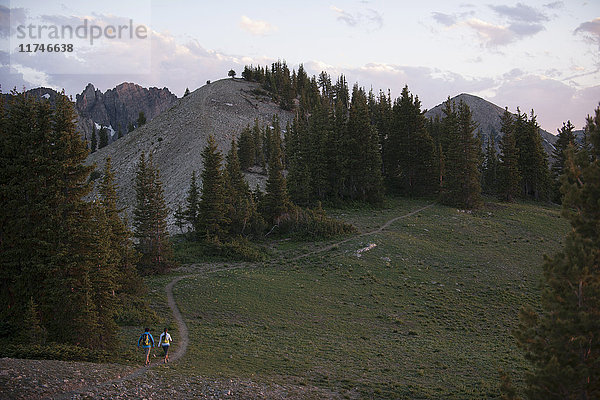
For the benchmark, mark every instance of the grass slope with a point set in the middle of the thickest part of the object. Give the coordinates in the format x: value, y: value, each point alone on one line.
x: 426, y: 314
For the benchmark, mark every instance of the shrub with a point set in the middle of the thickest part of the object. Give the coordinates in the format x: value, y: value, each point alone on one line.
x: 242, y: 249
x: 95, y: 175
x: 236, y: 249
x: 312, y: 223
x: 135, y: 311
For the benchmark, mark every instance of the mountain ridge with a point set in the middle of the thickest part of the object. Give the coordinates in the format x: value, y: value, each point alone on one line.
x: 487, y: 116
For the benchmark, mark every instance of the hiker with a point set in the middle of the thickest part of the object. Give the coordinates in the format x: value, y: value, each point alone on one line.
x: 147, y: 342
x: 165, y: 339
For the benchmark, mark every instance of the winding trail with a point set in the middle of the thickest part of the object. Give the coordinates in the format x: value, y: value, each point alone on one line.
x: 373, y: 232
x: 182, y: 328
x: 183, y: 339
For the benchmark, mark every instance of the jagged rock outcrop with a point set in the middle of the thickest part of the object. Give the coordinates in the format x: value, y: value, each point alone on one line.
x: 176, y: 138
x: 120, y: 106
x: 487, y: 116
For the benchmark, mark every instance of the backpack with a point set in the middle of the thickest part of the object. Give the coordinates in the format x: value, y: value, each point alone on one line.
x: 146, y: 339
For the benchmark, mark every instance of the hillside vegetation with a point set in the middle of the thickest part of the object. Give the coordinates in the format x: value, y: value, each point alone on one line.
x: 426, y: 313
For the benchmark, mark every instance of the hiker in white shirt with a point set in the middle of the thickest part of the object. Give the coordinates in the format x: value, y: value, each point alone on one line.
x: 165, y: 341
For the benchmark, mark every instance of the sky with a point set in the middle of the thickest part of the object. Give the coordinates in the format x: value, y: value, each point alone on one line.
x: 541, y: 55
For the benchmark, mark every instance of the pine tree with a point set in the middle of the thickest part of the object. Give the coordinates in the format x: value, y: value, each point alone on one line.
x: 246, y: 150
x: 298, y: 178
x: 360, y: 146
x: 141, y: 119
x: 213, y: 221
x: 409, y: 149
x: 381, y: 118
x: 180, y: 220
x: 150, y: 220
x: 20, y: 176
x: 259, y: 158
x: 336, y: 158
x: 461, y: 186
x: 439, y: 166
x: 562, y: 341
x: 266, y: 142
x: 94, y: 143
x: 192, y: 204
x: 533, y: 161
x: 103, y: 276
x: 509, y: 176
x: 103, y: 135
x: 49, y: 246
x: 239, y: 196
x: 489, y: 175
x: 34, y: 332
x: 276, y: 201
x: 315, y: 152
x: 187, y: 92
x: 121, y: 249
x: 565, y: 139
x: 163, y: 252
x: 75, y: 316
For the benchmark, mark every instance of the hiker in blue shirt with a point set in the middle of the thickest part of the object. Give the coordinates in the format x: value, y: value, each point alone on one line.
x: 147, y: 342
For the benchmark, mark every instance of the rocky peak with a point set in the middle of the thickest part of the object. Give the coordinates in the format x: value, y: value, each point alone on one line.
x: 121, y: 106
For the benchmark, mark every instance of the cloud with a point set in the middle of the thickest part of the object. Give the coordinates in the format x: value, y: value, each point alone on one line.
x: 444, y: 19
x: 491, y: 35
x: 513, y: 73
x: 553, y: 101
x: 520, y: 22
x: 555, y: 5
x: 368, y: 18
x: 590, y: 30
x: 257, y: 27
x: 523, y: 21
x: 121, y: 54
x: 525, y: 29
x: 9, y: 17
x: 345, y: 16
x: 169, y: 63
x: 374, y: 18
x: 520, y: 12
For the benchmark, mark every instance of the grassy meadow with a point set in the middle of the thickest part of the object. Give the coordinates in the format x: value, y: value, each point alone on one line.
x: 427, y: 313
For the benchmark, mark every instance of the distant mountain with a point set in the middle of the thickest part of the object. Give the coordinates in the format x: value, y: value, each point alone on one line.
x: 487, y: 115
x: 117, y: 108
x: 176, y: 137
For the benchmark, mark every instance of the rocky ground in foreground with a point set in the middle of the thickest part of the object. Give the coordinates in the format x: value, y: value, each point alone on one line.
x: 46, y: 379
x: 34, y: 379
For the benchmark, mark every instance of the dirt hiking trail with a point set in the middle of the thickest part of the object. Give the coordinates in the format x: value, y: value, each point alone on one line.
x: 183, y: 339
